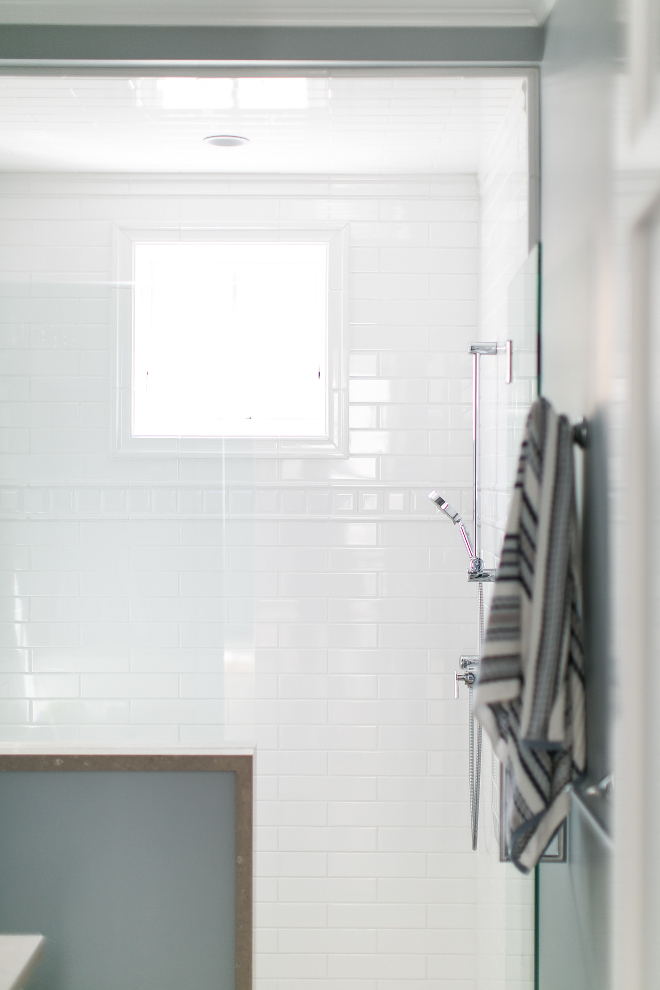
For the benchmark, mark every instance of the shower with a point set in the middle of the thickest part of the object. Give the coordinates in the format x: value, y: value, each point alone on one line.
x: 477, y: 573
x: 476, y: 563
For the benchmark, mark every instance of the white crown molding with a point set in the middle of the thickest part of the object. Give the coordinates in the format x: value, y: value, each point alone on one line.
x: 261, y: 13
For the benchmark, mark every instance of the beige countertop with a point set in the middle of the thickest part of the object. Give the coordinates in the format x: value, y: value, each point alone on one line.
x: 19, y: 955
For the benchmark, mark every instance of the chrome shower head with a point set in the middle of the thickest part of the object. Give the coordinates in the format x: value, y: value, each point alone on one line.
x: 443, y: 504
x: 476, y: 563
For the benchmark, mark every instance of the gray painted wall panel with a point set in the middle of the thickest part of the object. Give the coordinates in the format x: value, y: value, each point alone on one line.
x: 129, y: 876
x: 576, y: 94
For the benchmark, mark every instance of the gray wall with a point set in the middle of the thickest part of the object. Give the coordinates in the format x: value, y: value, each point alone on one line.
x: 129, y: 876
x: 577, y: 103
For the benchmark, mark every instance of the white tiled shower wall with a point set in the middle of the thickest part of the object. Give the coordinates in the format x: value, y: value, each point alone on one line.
x: 313, y: 607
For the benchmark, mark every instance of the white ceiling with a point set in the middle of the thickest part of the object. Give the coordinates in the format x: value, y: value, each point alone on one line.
x: 346, y: 124
x: 277, y: 12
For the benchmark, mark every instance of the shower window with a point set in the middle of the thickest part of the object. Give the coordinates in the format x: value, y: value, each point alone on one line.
x: 234, y: 342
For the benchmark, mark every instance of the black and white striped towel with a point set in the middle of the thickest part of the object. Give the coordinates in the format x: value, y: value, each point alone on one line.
x: 530, y: 693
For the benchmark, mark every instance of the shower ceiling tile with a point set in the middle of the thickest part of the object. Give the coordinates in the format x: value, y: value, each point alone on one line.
x: 343, y: 124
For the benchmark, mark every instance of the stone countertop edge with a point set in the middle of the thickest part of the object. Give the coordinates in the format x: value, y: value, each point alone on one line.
x: 19, y: 955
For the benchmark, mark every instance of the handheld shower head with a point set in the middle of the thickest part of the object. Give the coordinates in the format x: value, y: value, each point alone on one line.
x: 476, y: 563
x: 443, y: 504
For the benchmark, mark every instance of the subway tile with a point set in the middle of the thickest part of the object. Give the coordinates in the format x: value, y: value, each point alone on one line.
x: 79, y: 712
x: 363, y: 417
x: 39, y: 686
x: 358, y: 211
x: 294, y: 813
x: 148, y: 532
x: 381, y: 864
x: 448, y: 209
x: 75, y: 558
x: 332, y: 890
x: 389, y: 286
x: 75, y: 609
x: 327, y: 585
x: 327, y: 534
x: 287, y: 864
x: 290, y: 559
x: 155, y: 659
x: 396, y: 468
x: 388, y: 442
x: 70, y: 389
x: 363, y: 365
x: 14, y: 609
x: 39, y: 533
x: 315, y: 788
x: 412, y: 235
x: 155, y: 737
x: 379, y: 559
x: 27, y: 634
x: 14, y: 712
x: 386, y: 966
x: 381, y: 763
x: 411, y: 686
x: 14, y: 660
x: 55, y: 363
x: 353, y: 468
x: 202, y: 685
x: 382, y: 338
x: 195, y: 209
x: 281, y: 966
x: 454, y: 235
x: 452, y: 966
x: 291, y: 661
x: 364, y: 259
x: 453, y: 286
x: 53, y: 415
x: 327, y: 839
x: 414, y: 417
x: 129, y: 686
x: 164, y: 609
x: 102, y: 660
x: 183, y: 558
x: 315, y: 686
x: 381, y: 712
x: 378, y: 814
x: 184, y: 710
x: 155, y: 584
x: 329, y: 940
x: 377, y: 610
x: 388, y: 390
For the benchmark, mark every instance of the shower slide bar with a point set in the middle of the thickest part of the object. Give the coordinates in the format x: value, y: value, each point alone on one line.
x: 478, y: 574
x: 476, y: 570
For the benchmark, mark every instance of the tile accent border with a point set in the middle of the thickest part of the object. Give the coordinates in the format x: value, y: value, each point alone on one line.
x: 260, y: 501
x: 239, y: 765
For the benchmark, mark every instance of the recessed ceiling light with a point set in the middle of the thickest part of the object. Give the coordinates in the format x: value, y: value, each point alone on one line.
x: 226, y: 140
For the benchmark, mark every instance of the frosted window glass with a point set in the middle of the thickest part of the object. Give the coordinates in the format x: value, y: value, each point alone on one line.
x: 230, y: 339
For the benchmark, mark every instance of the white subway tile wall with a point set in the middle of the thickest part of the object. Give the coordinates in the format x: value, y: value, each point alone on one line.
x: 315, y: 608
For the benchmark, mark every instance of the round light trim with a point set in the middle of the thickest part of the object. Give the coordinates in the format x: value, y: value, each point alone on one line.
x: 226, y: 140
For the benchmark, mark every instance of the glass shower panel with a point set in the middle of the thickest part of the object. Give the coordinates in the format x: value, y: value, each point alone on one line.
x: 128, y: 575
x: 505, y: 898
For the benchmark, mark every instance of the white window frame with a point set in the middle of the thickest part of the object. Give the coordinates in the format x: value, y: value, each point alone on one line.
x: 335, y: 441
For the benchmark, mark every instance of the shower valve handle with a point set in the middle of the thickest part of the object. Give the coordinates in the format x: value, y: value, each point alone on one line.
x: 468, y: 678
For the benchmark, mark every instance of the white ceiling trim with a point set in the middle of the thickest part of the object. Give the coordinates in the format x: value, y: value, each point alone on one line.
x: 266, y: 13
